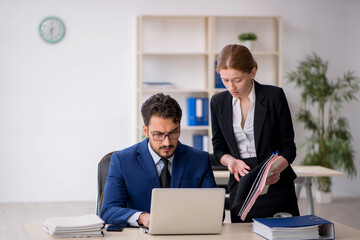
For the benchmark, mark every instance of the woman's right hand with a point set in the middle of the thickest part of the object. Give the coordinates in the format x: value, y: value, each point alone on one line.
x: 235, y: 166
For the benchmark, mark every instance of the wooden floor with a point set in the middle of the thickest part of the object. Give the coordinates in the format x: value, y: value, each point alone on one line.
x: 14, y: 215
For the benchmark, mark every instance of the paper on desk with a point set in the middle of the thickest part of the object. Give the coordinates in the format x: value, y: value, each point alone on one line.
x: 77, y: 226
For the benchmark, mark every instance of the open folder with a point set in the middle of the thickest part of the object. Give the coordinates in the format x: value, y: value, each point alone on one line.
x: 253, y: 185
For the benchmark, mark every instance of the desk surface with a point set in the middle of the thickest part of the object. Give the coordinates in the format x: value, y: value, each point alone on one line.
x: 301, y: 171
x: 229, y: 231
x: 315, y: 171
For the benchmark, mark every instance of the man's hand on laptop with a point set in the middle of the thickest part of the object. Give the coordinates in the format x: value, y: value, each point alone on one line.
x: 144, y: 219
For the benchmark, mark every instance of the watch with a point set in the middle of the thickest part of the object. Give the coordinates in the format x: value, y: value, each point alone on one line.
x: 52, y: 29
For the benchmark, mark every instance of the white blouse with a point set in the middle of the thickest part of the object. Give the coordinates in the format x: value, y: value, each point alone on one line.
x: 245, y: 137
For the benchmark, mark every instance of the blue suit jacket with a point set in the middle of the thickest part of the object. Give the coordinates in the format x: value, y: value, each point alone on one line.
x: 133, y: 175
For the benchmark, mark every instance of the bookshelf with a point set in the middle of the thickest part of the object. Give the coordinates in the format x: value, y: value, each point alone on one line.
x: 182, y: 50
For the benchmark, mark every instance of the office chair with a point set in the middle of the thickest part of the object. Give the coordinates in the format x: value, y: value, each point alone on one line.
x: 103, y: 171
x: 215, y: 164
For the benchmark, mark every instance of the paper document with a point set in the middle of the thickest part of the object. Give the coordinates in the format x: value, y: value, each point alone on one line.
x: 78, y: 226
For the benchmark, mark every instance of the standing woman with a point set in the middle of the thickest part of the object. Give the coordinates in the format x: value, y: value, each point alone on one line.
x: 250, y: 121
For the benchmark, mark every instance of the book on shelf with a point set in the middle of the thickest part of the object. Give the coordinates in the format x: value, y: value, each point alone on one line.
x: 77, y: 226
x: 157, y: 85
x: 253, y: 184
x: 205, y: 106
x: 198, y: 111
x: 218, y: 81
x: 201, y: 141
x: 300, y: 227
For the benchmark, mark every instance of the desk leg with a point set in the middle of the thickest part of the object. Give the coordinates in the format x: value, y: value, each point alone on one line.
x: 298, y: 189
x: 299, y: 183
x: 310, y: 202
x: 306, y: 182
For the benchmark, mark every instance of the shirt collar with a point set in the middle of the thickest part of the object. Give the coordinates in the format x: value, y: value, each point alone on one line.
x: 156, y: 158
x: 251, y: 95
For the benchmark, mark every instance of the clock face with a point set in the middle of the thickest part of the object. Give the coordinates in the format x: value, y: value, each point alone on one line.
x: 52, y: 29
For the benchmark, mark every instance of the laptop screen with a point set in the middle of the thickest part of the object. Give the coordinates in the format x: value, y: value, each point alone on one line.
x: 186, y: 210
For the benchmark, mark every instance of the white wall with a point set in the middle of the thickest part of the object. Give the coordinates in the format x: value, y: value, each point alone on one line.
x: 63, y: 106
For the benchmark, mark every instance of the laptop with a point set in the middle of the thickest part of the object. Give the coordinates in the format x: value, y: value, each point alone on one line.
x: 186, y: 211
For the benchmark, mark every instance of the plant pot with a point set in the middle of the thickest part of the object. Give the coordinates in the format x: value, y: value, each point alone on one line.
x: 248, y: 44
x: 323, y: 197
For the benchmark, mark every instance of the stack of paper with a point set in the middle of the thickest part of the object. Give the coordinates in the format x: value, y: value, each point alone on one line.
x: 78, y: 226
x: 302, y: 227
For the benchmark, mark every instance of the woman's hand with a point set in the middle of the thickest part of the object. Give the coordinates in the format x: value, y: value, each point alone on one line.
x: 235, y: 166
x: 275, y: 176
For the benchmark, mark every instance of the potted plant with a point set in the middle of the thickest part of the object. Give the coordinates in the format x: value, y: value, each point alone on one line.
x: 247, y: 38
x: 329, y: 143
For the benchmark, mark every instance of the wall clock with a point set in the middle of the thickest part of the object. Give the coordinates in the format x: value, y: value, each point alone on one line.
x: 52, y: 29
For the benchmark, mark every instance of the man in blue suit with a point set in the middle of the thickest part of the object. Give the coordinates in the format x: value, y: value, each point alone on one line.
x: 158, y: 161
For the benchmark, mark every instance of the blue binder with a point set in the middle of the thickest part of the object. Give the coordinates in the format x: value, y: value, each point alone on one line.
x: 293, y: 227
x: 198, y: 111
x: 194, y: 115
x: 201, y: 142
x: 205, y: 106
x: 218, y: 82
x: 198, y: 141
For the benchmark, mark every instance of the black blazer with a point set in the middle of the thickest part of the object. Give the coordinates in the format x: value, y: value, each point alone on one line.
x: 273, y: 128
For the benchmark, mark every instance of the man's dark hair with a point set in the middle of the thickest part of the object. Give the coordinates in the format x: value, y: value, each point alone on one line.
x: 161, y: 105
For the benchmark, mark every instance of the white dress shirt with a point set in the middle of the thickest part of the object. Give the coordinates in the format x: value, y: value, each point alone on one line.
x: 245, y: 136
x: 132, y: 220
x: 160, y: 164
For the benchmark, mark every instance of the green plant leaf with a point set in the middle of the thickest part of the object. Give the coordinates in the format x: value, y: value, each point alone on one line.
x: 329, y: 143
x: 247, y: 36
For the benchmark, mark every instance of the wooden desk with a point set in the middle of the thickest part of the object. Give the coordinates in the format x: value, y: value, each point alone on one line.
x: 304, y: 179
x: 229, y: 231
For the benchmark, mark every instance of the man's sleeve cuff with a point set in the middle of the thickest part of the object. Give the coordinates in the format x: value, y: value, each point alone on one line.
x: 132, y: 220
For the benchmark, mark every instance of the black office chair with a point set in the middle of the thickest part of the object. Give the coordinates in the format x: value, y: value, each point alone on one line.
x: 103, y: 171
x: 216, y: 165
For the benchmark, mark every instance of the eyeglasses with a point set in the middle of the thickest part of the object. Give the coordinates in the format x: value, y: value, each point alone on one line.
x: 162, y: 136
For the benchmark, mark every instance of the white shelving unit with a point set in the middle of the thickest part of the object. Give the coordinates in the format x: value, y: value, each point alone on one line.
x: 183, y: 49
